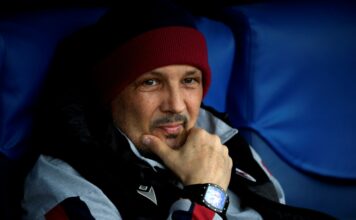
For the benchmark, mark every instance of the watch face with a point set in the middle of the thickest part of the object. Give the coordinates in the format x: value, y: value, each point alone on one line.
x: 215, y: 197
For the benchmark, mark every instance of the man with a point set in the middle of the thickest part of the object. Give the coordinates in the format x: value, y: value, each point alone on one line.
x: 157, y: 154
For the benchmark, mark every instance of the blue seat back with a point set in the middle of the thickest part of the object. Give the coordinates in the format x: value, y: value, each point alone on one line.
x: 293, y: 90
x: 221, y: 54
x: 27, y: 44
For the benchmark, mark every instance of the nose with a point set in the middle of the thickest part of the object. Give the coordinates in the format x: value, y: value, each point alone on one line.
x: 173, y: 101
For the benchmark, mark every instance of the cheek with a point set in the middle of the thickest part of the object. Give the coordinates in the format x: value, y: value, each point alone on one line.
x: 193, y: 103
x: 135, y: 113
x: 140, y: 115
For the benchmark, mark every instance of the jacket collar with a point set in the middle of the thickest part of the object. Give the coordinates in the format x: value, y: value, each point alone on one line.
x: 214, y: 125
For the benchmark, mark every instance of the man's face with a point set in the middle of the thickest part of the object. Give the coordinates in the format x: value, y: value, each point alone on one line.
x: 164, y: 102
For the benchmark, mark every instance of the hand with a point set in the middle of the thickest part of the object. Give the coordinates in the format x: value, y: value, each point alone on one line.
x: 202, y: 159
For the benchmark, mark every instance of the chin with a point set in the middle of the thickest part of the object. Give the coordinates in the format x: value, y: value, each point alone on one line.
x: 174, y: 143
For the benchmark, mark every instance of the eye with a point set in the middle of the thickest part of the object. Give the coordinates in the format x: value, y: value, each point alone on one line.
x: 191, y: 81
x: 150, y: 82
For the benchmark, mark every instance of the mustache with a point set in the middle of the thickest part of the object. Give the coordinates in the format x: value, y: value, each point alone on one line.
x: 170, y: 119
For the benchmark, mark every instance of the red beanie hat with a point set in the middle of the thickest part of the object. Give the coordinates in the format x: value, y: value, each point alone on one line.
x: 168, y: 38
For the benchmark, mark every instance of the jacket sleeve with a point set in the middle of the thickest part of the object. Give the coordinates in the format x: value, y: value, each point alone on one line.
x: 185, y: 209
x: 70, y: 208
x: 54, y: 190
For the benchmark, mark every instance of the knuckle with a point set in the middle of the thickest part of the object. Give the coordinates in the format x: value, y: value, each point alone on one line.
x: 213, y: 139
x: 225, y: 150
x: 199, y: 132
x: 204, y: 133
x: 216, y: 139
x: 230, y: 163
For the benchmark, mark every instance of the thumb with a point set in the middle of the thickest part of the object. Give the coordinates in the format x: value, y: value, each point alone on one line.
x: 157, y: 146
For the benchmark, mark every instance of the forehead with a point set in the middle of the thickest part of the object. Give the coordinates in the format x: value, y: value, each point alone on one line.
x: 173, y: 70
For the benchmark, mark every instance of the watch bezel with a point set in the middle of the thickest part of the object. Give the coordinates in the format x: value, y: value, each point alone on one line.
x: 221, y: 192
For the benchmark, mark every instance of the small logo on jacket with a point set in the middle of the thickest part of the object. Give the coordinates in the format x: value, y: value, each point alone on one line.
x: 148, y: 192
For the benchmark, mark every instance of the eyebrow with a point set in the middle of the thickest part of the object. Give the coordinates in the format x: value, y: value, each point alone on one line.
x: 192, y: 72
x: 187, y: 73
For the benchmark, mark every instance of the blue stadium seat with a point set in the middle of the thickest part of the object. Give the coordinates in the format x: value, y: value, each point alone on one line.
x: 293, y: 95
x: 221, y: 51
x: 27, y: 44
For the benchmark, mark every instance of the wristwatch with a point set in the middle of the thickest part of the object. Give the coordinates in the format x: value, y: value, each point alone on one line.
x: 210, y: 195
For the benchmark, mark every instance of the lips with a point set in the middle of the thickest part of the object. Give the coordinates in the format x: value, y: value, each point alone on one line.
x: 171, y: 129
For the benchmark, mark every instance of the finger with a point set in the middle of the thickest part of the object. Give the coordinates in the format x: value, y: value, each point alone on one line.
x: 157, y: 146
x: 202, y: 136
x: 196, y: 134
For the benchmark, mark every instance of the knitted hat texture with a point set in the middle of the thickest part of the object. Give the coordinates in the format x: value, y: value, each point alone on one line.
x: 158, y: 34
